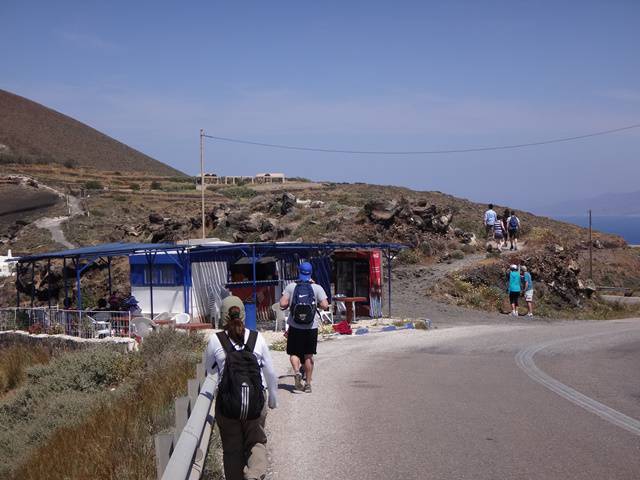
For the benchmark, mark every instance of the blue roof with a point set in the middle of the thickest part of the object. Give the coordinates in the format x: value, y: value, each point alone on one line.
x: 202, y: 252
x: 105, y: 250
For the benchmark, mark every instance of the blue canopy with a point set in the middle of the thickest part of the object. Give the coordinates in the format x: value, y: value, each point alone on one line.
x: 105, y: 250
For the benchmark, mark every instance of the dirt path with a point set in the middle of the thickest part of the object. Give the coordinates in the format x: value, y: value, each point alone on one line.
x: 54, y: 224
x: 411, y: 282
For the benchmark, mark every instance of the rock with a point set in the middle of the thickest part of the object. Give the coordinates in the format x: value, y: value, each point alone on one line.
x: 156, y: 218
x: 288, y: 203
x: 598, y: 244
x: 573, y: 266
x: 588, y: 286
x: 381, y: 211
x: 317, y: 204
x: 558, y: 248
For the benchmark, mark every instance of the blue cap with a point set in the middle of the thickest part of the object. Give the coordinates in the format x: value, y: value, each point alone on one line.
x: 305, y: 269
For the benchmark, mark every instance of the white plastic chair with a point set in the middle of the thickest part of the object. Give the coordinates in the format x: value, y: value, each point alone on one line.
x: 141, y: 327
x: 101, y: 328
x: 181, y: 318
x: 281, y: 315
x: 326, y: 316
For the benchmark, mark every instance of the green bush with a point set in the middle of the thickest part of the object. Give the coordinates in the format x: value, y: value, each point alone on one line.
x: 93, y: 185
x: 155, y: 185
x: 238, y: 193
x: 134, y: 186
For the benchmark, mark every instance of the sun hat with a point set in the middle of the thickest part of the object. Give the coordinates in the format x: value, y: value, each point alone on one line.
x: 232, y: 306
x: 305, y: 269
x: 513, y: 267
x: 523, y: 268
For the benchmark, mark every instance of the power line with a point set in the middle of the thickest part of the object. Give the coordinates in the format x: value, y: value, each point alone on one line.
x: 425, y: 152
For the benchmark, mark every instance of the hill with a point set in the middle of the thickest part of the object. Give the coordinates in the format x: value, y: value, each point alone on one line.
x: 33, y: 133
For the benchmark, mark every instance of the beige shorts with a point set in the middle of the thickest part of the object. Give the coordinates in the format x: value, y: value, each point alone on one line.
x: 528, y: 296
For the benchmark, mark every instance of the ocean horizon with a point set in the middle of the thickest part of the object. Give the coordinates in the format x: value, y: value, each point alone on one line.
x: 627, y: 226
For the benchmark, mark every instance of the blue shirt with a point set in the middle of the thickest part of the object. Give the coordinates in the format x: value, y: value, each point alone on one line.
x: 528, y: 281
x: 490, y: 217
x: 514, y: 281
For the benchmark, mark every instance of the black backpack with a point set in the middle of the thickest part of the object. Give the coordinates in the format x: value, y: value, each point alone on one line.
x: 240, y: 392
x: 303, y: 304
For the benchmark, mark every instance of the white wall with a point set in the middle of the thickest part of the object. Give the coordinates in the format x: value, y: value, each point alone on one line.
x: 165, y: 299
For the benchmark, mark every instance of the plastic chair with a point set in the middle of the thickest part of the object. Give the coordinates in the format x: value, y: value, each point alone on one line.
x: 101, y: 328
x: 281, y: 315
x: 141, y: 327
x: 326, y: 316
x: 162, y: 316
x: 181, y: 318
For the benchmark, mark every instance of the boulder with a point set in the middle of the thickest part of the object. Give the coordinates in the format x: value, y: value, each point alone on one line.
x: 156, y: 218
x: 288, y: 203
x: 381, y: 211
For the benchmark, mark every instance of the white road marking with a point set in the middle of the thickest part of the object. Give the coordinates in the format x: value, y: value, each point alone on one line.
x: 524, y: 359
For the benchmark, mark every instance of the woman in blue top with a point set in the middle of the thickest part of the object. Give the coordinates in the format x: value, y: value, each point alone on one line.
x: 514, y: 289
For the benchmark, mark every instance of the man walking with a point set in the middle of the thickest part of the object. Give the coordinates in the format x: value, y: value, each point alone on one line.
x: 513, y: 224
x: 528, y: 290
x: 490, y: 217
x: 303, y: 299
x: 514, y: 289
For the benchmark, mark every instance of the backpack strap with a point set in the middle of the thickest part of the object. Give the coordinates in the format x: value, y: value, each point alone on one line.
x: 251, y: 341
x: 225, y: 342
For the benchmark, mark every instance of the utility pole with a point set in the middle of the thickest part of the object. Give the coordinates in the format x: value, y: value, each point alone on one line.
x: 590, y: 248
x: 202, y: 186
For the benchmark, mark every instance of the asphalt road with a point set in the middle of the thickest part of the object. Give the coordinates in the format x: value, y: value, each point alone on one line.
x: 559, y: 401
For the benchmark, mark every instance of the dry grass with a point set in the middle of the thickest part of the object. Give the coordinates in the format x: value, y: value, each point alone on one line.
x: 15, y: 360
x: 93, y: 414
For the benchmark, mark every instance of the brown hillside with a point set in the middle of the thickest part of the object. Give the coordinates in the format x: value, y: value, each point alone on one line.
x: 30, y: 132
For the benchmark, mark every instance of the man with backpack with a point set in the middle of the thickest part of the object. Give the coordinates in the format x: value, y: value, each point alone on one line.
x: 303, y: 298
x: 513, y: 224
x: 243, y: 362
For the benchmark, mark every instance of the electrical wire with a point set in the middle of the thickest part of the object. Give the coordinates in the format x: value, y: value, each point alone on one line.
x: 424, y: 152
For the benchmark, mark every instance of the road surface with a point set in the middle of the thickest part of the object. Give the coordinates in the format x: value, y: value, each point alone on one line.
x: 522, y: 401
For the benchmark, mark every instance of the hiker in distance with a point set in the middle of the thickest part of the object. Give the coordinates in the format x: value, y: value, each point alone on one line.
x: 528, y: 290
x: 513, y: 226
x: 514, y: 288
x: 245, y: 369
x: 490, y: 217
x: 303, y: 298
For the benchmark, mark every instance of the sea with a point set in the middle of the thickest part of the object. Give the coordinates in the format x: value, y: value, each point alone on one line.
x: 627, y: 226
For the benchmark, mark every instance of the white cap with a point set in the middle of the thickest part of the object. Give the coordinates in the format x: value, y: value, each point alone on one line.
x: 513, y: 267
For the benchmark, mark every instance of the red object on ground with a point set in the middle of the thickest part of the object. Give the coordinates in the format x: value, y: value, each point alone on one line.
x: 343, y: 328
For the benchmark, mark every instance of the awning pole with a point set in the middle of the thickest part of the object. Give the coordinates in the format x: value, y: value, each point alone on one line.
x: 49, y: 282
x: 33, y: 282
x: 109, y: 271
x: 78, y: 288
x: 389, y: 275
x: 64, y: 281
x: 150, y: 259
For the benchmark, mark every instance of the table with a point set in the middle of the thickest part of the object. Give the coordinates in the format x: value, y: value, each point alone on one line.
x: 350, y: 302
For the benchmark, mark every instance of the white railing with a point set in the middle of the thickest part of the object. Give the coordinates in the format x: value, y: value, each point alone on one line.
x: 76, y: 323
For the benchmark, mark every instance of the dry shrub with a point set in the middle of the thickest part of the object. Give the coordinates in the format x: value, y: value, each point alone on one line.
x: 102, y: 412
x: 14, y: 361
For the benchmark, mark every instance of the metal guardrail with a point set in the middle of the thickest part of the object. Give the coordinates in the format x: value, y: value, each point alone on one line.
x: 182, y: 454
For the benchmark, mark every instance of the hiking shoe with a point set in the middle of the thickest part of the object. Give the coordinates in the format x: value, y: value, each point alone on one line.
x: 298, y: 382
x: 529, y: 314
x: 307, y: 388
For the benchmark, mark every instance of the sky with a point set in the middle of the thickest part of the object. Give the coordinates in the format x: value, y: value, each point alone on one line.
x: 356, y: 75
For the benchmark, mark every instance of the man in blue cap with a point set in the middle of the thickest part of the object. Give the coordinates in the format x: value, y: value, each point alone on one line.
x: 303, y: 298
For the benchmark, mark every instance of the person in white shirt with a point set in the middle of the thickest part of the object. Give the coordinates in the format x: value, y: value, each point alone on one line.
x: 243, y: 441
x: 490, y: 217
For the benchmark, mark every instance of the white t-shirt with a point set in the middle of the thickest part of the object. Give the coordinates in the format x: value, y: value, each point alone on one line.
x: 320, y: 294
x: 216, y: 357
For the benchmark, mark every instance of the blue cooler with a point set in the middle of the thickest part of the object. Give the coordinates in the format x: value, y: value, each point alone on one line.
x: 250, y: 316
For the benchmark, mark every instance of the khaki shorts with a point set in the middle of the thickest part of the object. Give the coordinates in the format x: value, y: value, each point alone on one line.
x: 528, y: 296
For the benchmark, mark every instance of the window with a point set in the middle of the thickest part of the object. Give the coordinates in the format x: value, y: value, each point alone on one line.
x: 162, y: 275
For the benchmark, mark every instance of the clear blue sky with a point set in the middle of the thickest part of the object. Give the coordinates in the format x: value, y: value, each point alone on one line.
x: 349, y: 75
